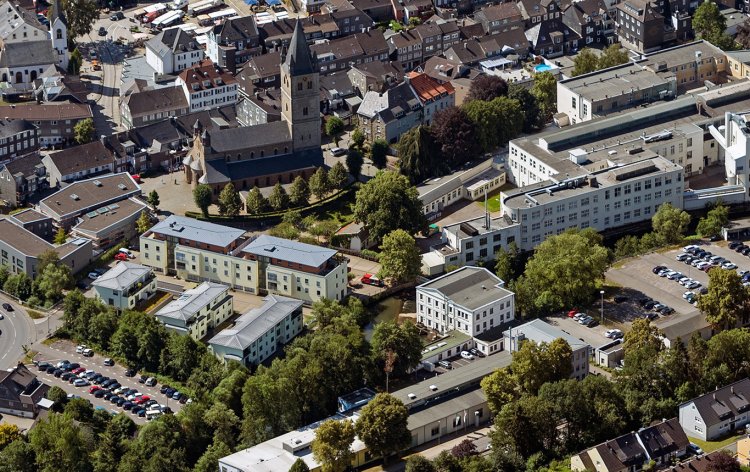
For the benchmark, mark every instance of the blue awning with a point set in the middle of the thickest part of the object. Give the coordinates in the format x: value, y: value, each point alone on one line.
x: 272, y: 3
x: 251, y: 2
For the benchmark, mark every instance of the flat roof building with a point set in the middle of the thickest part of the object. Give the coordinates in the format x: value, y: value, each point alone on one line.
x: 539, y: 332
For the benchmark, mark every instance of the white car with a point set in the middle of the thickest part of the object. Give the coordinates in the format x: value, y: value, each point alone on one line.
x: 702, y: 264
x: 693, y: 285
x: 690, y: 248
x: 467, y: 355
x: 81, y: 383
x: 93, y: 275
x: 80, y: 348
x: 612, y: 332
x: 578, y: 316
x: 728, y: 266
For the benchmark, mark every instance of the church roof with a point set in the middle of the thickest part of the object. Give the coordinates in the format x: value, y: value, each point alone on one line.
x: 219, y: 171
x: 56, y: 11
x: 299, y: 60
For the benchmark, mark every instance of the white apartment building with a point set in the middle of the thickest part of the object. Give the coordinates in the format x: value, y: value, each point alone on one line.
x: 197, y: 310
x: 172, y: 51
x: 207, y: 86
x: 538, y: 331
x: 470, y: 300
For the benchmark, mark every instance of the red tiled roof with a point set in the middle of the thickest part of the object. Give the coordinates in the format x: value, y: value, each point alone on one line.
x: 428, y: 88
x: 204, y: 75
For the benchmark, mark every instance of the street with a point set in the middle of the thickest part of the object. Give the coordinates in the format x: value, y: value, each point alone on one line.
x: 17, y: 331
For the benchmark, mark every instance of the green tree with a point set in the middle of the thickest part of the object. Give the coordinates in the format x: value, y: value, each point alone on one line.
x: 455, y: 134
x: 399, y: 259
x: 564, y: 272
x: 60, y: 445
x: 202, y: 198
x: 507, y: 262
x: 526, y: 426
x: 354, y: 161
x: 487, y: 88
x: 327, y: 310
x: 229, y: 202
x: 337, y: 178
x: 325, y: 229
x: 418, y: 155
x: 48, y: 257
x: 398, y: 348
x: 417, y: 463
x: 585, y: 61
x: 708, y: 22
x: 18, y: 456
x: 299, y: 466
x: 224, y: 422
x: 379, y: 153
x: 84, y: 130
x: 179, y: 356
x: 81, y: 16
x: 334, y: 128
x: 5, y: 273
x: 60, y: 236
x: 358, y: 138
x: 627, y: 246
x: 299, y: 192
x: 613, y: 55
x: 388, y: 202
x: 19, y: 285
x: 501, y: 388
x: 382, y: 425
x: 331, y: 447
x: 532, y: 115
x: 143, y: 223
x: 670, y: 223
x: 210, y: 459
x: 727, y: 301
x: 716, y: 219
x: 153, y: 199
x: 255, y: 201
x: 278, y: 199
x: 53, y: 280
x: 75, y: 62
x: 319, y: 183
x: 285, y: 231
x: 545, y: 91
x: 642, y: 335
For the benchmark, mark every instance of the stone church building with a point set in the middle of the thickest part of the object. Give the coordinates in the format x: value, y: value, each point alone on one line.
x: 267, y: 153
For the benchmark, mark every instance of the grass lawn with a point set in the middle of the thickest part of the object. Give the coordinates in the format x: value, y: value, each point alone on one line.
x: 493, y: 202
x: 710, y: 446
x: 35, y: 315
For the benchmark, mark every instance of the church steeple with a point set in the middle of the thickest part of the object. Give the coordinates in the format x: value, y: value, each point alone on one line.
x: 299, y: 60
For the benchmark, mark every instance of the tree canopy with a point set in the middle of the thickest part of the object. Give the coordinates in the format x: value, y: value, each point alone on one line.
x: 545, y: 91
x: 716, y: 219
x: 418, y: 155
x: 670, y: 223
x: 399, y: 259
x: 727, y: 300
x: 332, y: 445
x: 202, y: 198
x: 399, y: 345
x: 80, y: 16
x: 487, y: 87
x: 455, y: 135
x: 229, y: 202
x: 382, y: 425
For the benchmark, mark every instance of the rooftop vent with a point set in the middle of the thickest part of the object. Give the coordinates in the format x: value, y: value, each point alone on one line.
x: 74, y: 196
x: 122, y: 186
x: 433, y: 387
x: 98, y: 183
x: 270, y: 249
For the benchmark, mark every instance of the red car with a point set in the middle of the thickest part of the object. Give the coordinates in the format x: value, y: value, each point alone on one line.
x: 94, y: 388
x: 141, y: 400
x: 78, y: 370
x: 572, y: 313
x: 369, y: 279
x: 121, y: 256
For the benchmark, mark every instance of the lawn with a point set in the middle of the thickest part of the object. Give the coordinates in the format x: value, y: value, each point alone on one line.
x: 493, y: 202
x: 710, y: 446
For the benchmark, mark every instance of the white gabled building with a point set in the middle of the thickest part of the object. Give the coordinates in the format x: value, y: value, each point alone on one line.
x: 471, y: 300
x: 197, y: 310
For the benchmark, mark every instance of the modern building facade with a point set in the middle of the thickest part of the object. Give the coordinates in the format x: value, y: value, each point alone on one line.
x: 197, y: 310
x: 125, y: 285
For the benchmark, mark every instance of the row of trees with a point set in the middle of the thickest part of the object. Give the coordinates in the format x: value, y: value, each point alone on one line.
x: 587, y: 60
x: 669, y: 225
x: 48, y: 287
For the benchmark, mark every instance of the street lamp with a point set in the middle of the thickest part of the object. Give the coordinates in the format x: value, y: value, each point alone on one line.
x: 601, y: 292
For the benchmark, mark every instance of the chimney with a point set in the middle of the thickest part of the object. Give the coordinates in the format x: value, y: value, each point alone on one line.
x: 103, y: 139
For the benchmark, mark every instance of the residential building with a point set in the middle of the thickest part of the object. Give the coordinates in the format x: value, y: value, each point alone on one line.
x: 341, y: 53
x: 233, y: 42
x: 717, y: 414
x: 640, y: 26
x: 125, y: 285
x: 705, y: 463
x: 378, y: 10
x: 277, y: 35
x: 22, y: 178
x: 499, y: 18
x: 34, y: 222
x: 260, y: 73
x: 172, y: 51
x: 79, y: 162
x: 534, y: 12
x: 497, y: 48
x: 159, y: 243
x: 376, y: 76
x: 84, y: 196
x: 470, y: 300
x: 259, y: 333
x: 553, y: 37
x: 55, y: 121
x: 273, y: 152
x: 538, y: 331
x: 20, y: 391
x: 207, y: 85
x: 17, y: 137
x: 142, y: 108
x: 20, y: 250
x: 661, y: 443
x: 264, y: 106
x: 111, y: 224
x: 198, y: 310
x: 590, y: 20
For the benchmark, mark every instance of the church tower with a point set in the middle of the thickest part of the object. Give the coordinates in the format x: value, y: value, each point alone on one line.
x: 300, y: 95
x: 58, y: 33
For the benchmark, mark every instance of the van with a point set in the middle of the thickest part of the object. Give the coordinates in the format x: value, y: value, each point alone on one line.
x: 445, y: 364
x: 153, y: 414
x: 88, y: 353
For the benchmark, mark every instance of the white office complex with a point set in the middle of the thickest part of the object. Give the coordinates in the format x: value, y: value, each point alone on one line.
x: 471, y: 300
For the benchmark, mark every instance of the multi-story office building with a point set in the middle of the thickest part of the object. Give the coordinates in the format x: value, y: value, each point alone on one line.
x: 197, y: 310
x: 471, y: 300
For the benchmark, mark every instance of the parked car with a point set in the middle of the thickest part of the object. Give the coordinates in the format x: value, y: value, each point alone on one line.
x: 102, y: 31
x: 651, y: 315
x: 42, y: 366
x: 109, y: 362
x: 650, y: 305
x: 444, y: 364
x: 100, y: 393
x: 620, y: 298
x: 477, y: 352
x: 81, y: 383
x: 130, y: 373
x: 164, y: 389
x: 465, y: 355
x: 150, y: 382
x: 734, y: 244
x: 695, y: 449
x: 80, y: 348
x: 370, y: 279
x: 658, y: 269
x: 88, y: 353
x: 121, y: 257
x: 728, y: 266
x: 118, y: 15
x: 337, y: 151
x: 67, y: 375
x: 591, y: 323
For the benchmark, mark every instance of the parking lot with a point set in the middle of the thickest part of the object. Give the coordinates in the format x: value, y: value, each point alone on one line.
x: 64, y: 350
x: 637, y: 280
x: 594, y: 335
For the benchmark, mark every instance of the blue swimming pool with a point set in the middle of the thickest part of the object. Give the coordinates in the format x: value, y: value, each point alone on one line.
x: 542, y: 67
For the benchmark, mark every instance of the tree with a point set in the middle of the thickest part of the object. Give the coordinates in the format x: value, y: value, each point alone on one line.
x: 19, y: 456
x: 60, y: 445
x: 533, y: 118
x: 60, y: 236
x: 8, y: 434
x: 209, y: 460
x: 464, y: 449
x: 337, y: 178
x: 397, y: 347
x: 487, y: 88
x: 143, y: 223
x: 584, y: 62
x: 46, y: 258
x: 379, y: 153
x: 743, y: 35
x: 565, y: 271
x: 417, y: 153
x: 501, y: 388
x: 388, y: 202
x: 526, y: 426
x: 334, y: 128
x: 670, y: 223
x: 84, y: 130
x: 545, y: 91
x: 299, y: 192
x: 354, y: 161
x: 382, y: 425
x: 507, y: 262
x: 417, y: 463
x: 319, y: 183
x: 278, y: 198
x: 723, y: 461
x: 75, y: 62
x: 455, y: 134
x: 727, y: 301
x: 153, y: 199
x: 358, y: 138
x: 708, y: 22
x: 716, y: 219
x: 229, y: 202
x: 224, y: 422
x: 19, y: 285
x: 332, y: 445
x: 299, y: 466
x: 255, y: 202
x: 613, y: 55
x: 642, y: 335
x: 399, y: 257
x: 202, y: 198
x: 81, y: 16
x: 5, y: 273
x: 53, y: 280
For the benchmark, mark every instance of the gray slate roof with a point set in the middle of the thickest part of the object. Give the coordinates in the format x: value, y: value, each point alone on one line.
x: 236, y: 29
x: 161, y: 99
x: 187, y: 305
x: 9, y: 128
x: 388, y: 104
x: 732, y: 400
x: 79, y: 158
x: 470, y: 287
x: 253, y: 324
x: 122, y: 276
x: 291, y: 251
x: 174, y: 40
x: 32, y: 53
x: 237, y: 139
x: 299, y: 60
x: 195, y: 230
x: 219, y: 171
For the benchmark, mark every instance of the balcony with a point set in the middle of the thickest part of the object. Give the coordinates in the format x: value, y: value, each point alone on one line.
x: 140, y: 285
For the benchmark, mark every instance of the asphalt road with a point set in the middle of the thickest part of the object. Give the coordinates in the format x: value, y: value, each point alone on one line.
x: 17, y: 330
